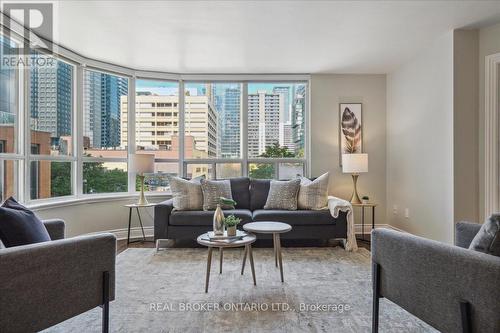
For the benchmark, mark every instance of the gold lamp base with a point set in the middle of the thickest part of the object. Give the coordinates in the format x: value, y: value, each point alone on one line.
x: 142, y: 198
x: 355, y: 197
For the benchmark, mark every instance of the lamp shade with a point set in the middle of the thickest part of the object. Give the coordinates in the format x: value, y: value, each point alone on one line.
x: 142, y: 163
x: 354, y: 163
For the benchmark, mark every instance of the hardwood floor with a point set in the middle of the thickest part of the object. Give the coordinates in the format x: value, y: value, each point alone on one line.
x: 122, y: 244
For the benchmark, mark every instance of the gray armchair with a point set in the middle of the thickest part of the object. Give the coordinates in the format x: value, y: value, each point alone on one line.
x: 449, y: 287
x: 46, y: 283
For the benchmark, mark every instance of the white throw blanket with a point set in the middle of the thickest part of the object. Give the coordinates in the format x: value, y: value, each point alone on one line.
x: 336, y: 205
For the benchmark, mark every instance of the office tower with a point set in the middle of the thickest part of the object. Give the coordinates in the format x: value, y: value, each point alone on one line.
x: 92, y: 108
x: 285, y: 112
x: 102, y: 125
x: 288, y: 137
x: 113, y: 87
x: 263, y: 121
x: 298, y: 117
x: 51, y: 99
x: 229, y: 121
x: 157, y: 124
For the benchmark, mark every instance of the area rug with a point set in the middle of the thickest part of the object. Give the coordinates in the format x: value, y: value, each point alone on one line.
x: 325, y: 290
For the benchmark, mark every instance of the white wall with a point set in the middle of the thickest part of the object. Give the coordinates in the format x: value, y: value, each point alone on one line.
x: 327, y: 91
x: 465, y: 123
x: 100, y: 215
x: 489, y: 43
x: 420, y: 142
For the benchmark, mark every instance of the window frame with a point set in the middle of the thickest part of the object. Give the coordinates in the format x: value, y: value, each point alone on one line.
x: 29, y: 157
x: 79, y: 64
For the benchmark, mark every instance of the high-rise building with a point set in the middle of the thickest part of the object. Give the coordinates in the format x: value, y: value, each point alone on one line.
x: 113, y: 87
x: 92, y: 108
x: 102, y: 124
x: 264, y: 110
x: 8, y: 91
x: 51, y: 99
x: 230, y: 127
x: 286, y: 111
x: 298, y: 117
x: 288, y: 137
x: 157, y: 124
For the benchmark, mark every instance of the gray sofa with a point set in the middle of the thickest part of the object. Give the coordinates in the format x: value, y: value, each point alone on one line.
x: 251, y: 196
x: 46, y: 283
x: 449, y: 287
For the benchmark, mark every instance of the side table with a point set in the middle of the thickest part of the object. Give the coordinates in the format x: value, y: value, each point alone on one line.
x: 363, y: 206
x: 245, y: 242
x: 131, y: 208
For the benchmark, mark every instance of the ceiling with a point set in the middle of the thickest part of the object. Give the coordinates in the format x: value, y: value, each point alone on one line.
x: 262, y: 36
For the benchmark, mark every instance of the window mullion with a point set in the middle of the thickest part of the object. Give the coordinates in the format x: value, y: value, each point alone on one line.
x: 79, y: 100
x: 244, y: 130
x: 27, y: 134
x: 182, y: 167
x: 131, y: 147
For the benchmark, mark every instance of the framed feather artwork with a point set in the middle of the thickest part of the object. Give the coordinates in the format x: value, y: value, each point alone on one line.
x: 351, y: 129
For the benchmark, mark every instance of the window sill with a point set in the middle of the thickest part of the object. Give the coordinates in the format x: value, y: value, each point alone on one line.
x: 57, y: 203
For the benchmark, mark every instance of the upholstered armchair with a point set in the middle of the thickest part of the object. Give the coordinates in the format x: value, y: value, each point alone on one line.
x: 449, y: 287
x: 46, y: 283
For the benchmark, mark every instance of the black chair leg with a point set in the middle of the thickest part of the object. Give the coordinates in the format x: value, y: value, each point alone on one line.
x: 465, y: 311
x: 105, y: 303
x: 376, y: 295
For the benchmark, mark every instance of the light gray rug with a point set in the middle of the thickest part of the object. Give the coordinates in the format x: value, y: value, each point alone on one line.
x: 325, y: 290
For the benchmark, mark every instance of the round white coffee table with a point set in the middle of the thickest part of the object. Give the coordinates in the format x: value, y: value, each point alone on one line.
x: 246, y: 242
x: 275, y: 228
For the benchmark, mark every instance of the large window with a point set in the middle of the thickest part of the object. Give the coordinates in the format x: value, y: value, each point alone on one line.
x: 67, y: 129
x: 9, y: 124
x: 51, y: 127
x: 276, y: 128
x: 157, y: 129
x: 105, y: 105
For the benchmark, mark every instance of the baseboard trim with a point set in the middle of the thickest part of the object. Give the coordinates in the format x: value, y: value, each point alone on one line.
x: 149, y: 231
x: 135, y: 232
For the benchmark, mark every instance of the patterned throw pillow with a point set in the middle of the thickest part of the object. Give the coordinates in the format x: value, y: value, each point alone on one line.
x: 487, y: 239
x: 186, y: 194
x: 213, y: 190
x: 313, y: 194
x: 283, y: 194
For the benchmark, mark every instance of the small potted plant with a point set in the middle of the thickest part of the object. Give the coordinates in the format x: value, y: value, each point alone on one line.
x: 218, y: 220
x: 365, y: 199
x: 231, y: 222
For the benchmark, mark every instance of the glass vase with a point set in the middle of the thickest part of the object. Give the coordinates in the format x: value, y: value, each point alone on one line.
x: 218, y: 221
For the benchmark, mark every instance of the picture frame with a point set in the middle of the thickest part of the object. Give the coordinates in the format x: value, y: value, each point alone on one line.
x: 350, y: 129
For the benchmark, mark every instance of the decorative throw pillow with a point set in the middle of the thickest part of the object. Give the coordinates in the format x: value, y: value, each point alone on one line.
x: 487, y: 239
x: 213, y: 190
x: 283, y: 194
x: 20, y: 226
x: 186, y: 194
x: 313, y: 194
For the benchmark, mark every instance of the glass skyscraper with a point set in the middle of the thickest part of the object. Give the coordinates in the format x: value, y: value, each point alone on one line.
x: 51, y: 99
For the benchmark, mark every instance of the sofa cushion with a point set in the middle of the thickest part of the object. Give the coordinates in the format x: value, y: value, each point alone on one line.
x: 213, y: 190
x: 313, y: 194
x: 487, y: 239
x: 295, y: 217
x: 283, y: 194
x: 240, y: 188
x: 259, y: 189
x: 186, y: 194
x: 20, y: 226
x: 205, y: 218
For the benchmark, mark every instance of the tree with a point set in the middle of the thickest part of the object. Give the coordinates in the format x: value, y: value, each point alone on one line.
x: 99, y: 179
x: 267, y: 170
x: 60, y: 179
